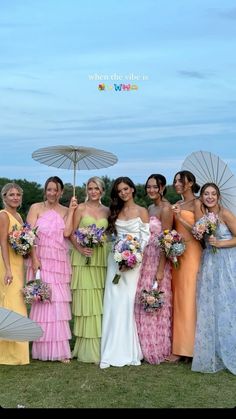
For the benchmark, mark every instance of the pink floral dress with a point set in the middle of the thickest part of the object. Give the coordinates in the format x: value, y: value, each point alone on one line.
x: 154, y: 328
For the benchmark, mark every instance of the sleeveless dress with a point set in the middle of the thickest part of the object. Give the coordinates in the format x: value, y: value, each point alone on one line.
x: 53, y: 252
x: 120, y: 344
x: 11, y: 297
x: 215, y: 342
x: 88, y: 282
x: 184, y: 280
x: 155, y: 328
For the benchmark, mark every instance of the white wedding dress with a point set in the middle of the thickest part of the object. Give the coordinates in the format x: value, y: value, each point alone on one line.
x: 120, y: 345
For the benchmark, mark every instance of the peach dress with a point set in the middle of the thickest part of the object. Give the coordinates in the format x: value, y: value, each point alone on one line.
x: 184, y: 281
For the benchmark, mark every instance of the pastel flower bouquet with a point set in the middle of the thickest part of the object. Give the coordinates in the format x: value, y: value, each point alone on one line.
x: 172, y: 244
x: 151, y: 300
x: 37, y: 291
x: 91, y: 236
x: 127, y: 254
x: 205, y: 227
x: 22, y: 239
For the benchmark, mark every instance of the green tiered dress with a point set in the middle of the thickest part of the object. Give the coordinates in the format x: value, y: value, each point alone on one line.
x: 88, y: 283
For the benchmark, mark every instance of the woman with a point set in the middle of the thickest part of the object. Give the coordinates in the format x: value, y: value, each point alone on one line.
x: 155, y: 328
x: 184, y: 279
x: 215, y: 340
x: 11, y: 273
x: 88, y: 279
x: 54, y: 222
x: 120, y: 345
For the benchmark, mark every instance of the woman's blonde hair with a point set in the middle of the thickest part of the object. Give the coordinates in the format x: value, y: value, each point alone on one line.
x: 8, y: 187
x: 100, y: 184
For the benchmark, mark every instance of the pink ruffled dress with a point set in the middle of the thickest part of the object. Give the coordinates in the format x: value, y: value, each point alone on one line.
x: 53, y: 252
x: 154, y: 328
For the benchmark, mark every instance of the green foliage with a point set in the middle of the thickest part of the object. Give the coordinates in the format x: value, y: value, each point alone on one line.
x: 33, y: 192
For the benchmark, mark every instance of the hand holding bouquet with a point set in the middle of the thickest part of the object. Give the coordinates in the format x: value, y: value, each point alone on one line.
x: 22, y: 239
x: 151, y: 300
x: 127, y: 254
x: 205, y: 227
x: 91, y: 237
x: 172, y: 244
x: 37, y: 291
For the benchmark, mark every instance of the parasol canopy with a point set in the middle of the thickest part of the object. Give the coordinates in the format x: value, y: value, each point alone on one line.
x: 208, y: 167
x: 14, y: 326
x: 74, y: 158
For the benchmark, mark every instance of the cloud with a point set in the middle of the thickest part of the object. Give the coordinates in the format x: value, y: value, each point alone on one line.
x: 228, y: 14
x: 192, y: 74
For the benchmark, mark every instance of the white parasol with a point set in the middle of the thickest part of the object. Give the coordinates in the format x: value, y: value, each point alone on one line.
x: 74, y: 158
x: 14, y: 326
x: 207, y: 167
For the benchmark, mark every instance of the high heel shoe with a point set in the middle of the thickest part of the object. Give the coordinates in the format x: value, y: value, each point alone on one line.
x: 173, y: 359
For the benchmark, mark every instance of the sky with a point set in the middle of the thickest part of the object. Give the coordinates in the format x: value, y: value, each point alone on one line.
x: 62, y: 61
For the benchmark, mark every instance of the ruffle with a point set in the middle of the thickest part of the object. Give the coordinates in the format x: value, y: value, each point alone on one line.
x: 87, y: 302
x: 88, y: 279
x: 51, y: 351
x: 55, y: 332
x: 50, y: 312
x: 88, y: 327
x: 99, y: 257
x: 87, y: 350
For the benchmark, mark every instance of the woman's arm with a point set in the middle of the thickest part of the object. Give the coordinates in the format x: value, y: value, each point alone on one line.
x: 4, y: 226
x: 167, y: 223
x: 32, y: 219
x: 230, y: 220
x: 69, y: 217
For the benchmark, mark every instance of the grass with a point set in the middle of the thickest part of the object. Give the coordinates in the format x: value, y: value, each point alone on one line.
x: 78, y: 385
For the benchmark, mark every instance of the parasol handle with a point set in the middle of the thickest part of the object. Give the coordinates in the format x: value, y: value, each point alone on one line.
x: 74, y: 179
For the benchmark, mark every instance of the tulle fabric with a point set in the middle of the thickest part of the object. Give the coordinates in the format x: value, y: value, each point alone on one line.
x: 154, y: 329
x: 53, y: 252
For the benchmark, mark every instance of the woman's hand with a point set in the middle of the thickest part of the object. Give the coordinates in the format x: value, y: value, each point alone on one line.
x: 36, y: 265
x: 176, y: 209
x: 8, y: 278
x: 213, y: 241
x: 85, y: 251
x: 73, y: 204
x: 159, y: 277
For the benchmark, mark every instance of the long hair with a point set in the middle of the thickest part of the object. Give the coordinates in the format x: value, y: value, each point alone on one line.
x: 185, y: 174
x: 117, y: 203
x: 204, y: 187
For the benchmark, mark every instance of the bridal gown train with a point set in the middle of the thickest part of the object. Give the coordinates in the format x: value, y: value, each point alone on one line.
x: 120, y: 344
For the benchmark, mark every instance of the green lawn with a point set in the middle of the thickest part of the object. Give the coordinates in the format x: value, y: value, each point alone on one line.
x: 78, y: 385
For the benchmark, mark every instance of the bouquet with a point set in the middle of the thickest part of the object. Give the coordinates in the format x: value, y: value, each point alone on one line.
x: 36, y: 290
x: 172, y: 244
x: 90, y: 236
x: 22, y: 239
x: 152, y: 300
x: 127, y: 253
x: 206, y: 226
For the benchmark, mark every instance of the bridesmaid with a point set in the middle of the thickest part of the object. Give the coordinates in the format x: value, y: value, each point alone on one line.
x: 11, y: 273
x: 54, y: 222
x: 184, y: 279
x: 155, y: 329
x: 215, y: 341
x: 88, y: 280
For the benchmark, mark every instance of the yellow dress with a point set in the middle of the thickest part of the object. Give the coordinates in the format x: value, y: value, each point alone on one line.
x: 11, y: 297
x: 184, y: 281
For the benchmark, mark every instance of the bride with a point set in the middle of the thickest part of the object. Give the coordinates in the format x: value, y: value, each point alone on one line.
x: 120, y: 345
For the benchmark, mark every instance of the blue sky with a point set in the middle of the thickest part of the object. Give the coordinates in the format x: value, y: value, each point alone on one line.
x: 178, y: 54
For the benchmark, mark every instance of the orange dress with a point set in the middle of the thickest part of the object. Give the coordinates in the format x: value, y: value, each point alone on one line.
x: 184, y: 281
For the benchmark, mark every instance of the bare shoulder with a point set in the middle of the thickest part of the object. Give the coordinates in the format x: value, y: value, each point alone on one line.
x: 197, y: 203
x: 227, y: 216
x: 3, y: 216
x: 106, y: 210
x: 143, y: 214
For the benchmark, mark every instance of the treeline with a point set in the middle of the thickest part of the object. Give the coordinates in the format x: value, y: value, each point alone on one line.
x: 33, y: 192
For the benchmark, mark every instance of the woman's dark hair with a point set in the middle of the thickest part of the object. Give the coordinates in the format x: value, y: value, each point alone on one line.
x: 185, y: 174
x: 160, y: 180
x: 54, y: 179
x: 117, y: 204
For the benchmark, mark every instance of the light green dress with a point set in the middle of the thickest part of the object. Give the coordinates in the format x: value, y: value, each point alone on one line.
x: 88, y: 283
